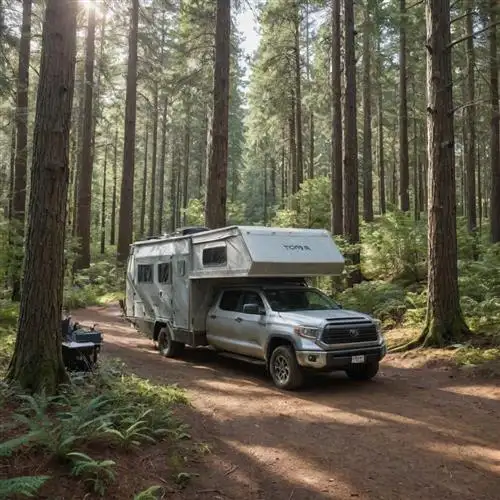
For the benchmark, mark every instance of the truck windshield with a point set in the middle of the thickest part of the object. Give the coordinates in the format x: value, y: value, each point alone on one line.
x: 299, y: 300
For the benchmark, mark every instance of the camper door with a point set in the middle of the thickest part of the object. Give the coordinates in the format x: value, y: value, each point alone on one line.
x: 180, y: 291
x: 164, y: 301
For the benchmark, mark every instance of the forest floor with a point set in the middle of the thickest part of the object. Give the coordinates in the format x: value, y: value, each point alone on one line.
x: 422, y: 429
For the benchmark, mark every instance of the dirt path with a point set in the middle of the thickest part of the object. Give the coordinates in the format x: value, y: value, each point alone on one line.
x: 410, y: 434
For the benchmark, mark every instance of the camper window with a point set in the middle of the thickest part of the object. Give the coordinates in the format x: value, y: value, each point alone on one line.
x: 215, y: 256
x: 164, y: 272
x: 145, y: 273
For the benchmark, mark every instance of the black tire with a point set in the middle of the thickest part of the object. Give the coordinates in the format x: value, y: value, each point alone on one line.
x: 365, y: 371
x: 284, y: 369
x: 168, y: 347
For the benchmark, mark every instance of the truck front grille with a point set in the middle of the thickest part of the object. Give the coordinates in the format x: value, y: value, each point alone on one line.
x: 349, y: 333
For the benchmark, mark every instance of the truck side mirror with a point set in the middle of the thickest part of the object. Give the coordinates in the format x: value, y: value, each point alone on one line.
x: 253, y: 309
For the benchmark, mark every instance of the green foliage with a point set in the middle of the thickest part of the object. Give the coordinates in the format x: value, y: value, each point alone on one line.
x: 383, y: 300
x: 8, y: 322
x: 127, y: 410
x: 97, y: 473
x: 473, y: 356
x: 395, y: 247
x: 27, y: 486
x: 151, y: 493
x: 102, y: 282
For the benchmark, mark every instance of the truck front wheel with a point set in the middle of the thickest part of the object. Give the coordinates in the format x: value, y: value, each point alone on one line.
x: 168, y: 347
x: 284, y: 369
x: 365, y: 371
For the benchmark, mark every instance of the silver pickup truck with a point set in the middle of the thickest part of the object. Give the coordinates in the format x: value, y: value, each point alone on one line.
x: 294, y: 329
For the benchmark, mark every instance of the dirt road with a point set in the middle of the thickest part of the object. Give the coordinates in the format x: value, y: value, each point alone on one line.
x: 410, y: 434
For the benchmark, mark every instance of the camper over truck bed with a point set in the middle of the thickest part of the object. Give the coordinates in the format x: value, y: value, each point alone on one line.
x: 242, y: 291
x: 247, y: 251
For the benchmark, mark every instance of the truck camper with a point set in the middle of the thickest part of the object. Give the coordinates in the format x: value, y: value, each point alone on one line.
x: 243, y: 290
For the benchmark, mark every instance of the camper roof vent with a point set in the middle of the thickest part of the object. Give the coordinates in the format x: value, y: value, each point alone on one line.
x: 191, y: 230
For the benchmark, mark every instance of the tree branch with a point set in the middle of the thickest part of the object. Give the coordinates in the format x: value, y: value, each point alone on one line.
x: 466, y: 37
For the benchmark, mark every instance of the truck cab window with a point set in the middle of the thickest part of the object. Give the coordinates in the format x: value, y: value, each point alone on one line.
x: 252, y: 298
x: 145, y: 273
x: 230, y: 300
x: 164, y: 272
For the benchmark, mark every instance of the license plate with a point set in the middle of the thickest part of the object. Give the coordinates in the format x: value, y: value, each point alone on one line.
x: 358, y: 359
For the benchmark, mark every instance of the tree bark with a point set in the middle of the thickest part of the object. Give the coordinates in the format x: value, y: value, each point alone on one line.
x: 185, y: 167
x: 215, y: 204
x: 87, y: 160
x: 152, y: 194
x: 350, y: 188
x: 112, y: 232
x: 21, y: 159
x: 103, y: 202
x: 444, y: 323
x: 495, y: 128
x: 298, y: 101
x: 337, y: 165
x: 470, y: 119
x: 163, y: 159
x: 404, y: 172
x: 142, y: 227
x: 367, y: 118
x: 125, y: 232
x: 37, y: 363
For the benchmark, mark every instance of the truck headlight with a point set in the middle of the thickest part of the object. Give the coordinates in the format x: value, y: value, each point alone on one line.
x: 308, y: 332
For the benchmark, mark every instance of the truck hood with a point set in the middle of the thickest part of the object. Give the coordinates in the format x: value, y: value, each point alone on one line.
x: 319, y: 318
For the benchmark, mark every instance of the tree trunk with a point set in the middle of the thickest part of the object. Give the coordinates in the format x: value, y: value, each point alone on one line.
x: 173, y: 184
x: 185, y: 168
x: 163, y: 159
x: 112, y: 232
x: 337, y: 166
x: 21, y: 161
x: 103, y: 202
x: 495, y: 128
x: 292, y: 136
x: 298, y: 101
x: 79, y: 137
x: 470, y: 119
x: 367, y: 119
x: 12, y: 170
x: 125, y: 232
x: 87, y: 160
x: 215, y: 205
x: 311, y: 146
x: 142, y: 227
x: 404, y: 175
x: 37, y: 363
x: 284, y: 192
x: 444, y: 324
x: 351, y: 209
x: 416, y: 161
x: 152, y: 197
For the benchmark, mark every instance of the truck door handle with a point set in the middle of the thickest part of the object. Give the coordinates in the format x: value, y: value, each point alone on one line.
x: 238, y: 320
x: 213, y: 316
x: 161, y: 293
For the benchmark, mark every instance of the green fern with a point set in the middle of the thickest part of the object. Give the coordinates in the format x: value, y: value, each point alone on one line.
x: 27, y: 486
x: 97, y: 473
x: 152, y: 493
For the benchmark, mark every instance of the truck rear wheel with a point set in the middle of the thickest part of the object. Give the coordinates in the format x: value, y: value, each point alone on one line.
x: 285, y: 371
x: 365, y: 371
x: 168, y: 347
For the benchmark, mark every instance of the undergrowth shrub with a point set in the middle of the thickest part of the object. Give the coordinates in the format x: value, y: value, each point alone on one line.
x: 110, y: 409
x: 386, y: 301
x: 101, y: 283
x: 394, y: 247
